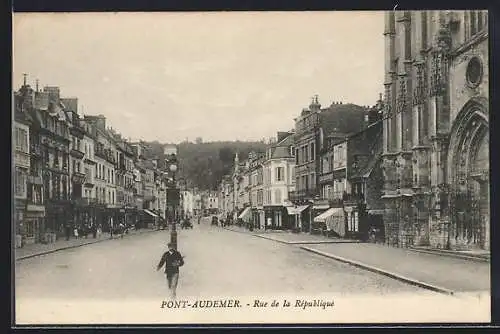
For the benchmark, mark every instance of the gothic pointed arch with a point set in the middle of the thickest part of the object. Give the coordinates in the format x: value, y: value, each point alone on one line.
x: 468, y: 174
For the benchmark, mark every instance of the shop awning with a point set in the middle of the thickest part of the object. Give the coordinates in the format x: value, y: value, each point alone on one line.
x: 150, y: 213
x: 245, y: 214
x: 376, y: 212
x: 296, y: 210
x: 321, y: 206
x: 334, y: 220
x: 322, y: 217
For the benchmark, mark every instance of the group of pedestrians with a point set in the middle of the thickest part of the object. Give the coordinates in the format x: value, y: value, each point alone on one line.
x: 79, y: 231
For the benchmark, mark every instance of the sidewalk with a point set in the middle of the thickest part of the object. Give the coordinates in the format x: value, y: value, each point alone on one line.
x: 290, y: 238
x: 431, y: 271
x: 38, y: 249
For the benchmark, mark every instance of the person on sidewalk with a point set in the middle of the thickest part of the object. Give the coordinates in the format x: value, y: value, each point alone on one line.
x: 111, y: 227
x: 122, y: 230
x: 67, y: 230
x: 172, y: 260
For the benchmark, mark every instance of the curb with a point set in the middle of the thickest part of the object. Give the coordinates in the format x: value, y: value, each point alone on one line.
x: 383, y: 272
x: 453, y: 255
x: 293, y: 242
x: 307, y: 242
x: 70, y: 247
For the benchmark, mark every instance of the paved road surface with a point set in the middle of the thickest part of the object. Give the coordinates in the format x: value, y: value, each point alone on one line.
x: 218, y: 263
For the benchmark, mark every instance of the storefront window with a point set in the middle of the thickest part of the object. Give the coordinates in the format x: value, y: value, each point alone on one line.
x: 30, y: 229
x: 356, y: 222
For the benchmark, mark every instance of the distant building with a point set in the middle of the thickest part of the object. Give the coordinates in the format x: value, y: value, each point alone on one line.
x: 210, y: 202
x: 169, y: 149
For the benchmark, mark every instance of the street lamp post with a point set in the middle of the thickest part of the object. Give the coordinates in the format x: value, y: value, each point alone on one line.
x: 173, y: 232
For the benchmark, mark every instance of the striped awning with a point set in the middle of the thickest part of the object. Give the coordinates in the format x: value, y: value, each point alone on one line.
x: 150, y: 213
x: 296, y: 210
x: 245, y: 214
x: 333, y: 219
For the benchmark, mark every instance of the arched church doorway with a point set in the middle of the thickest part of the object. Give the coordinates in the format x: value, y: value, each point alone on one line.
x: 469, y: 178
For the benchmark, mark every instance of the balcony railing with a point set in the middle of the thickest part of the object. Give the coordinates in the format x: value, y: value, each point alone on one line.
x: 78, y: 178
x: 353, y: 198
x: 77, y: 153
x: 36, y: 150
x: 302, y: 194
x: 86, y: 201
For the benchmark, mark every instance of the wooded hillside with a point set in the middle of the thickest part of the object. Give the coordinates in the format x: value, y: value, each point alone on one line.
x: 203, y: 165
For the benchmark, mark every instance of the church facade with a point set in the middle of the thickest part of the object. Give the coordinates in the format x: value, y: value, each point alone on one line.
x: 436, y: 130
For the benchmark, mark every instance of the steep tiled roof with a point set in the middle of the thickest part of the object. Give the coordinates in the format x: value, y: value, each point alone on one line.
x: 374, y: 146
x: 21, y: 114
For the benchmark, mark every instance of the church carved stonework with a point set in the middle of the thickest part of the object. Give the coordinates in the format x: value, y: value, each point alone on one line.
x: 419, y: 90
x: 390, y: 172
x: 436, y: 163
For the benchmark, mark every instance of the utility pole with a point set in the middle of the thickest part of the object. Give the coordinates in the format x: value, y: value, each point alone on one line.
x: 173, y: 197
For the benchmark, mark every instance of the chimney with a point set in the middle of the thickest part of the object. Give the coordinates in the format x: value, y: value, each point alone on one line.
x: 54, y: 93
x: 315, y: 105
x: 101, y: 122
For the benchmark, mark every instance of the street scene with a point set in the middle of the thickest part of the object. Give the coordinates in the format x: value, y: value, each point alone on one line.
x: 228, y: 173
x: 219, y: 262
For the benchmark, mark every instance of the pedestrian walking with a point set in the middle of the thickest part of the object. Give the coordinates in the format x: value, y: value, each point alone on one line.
x: 111, y: 227
x: 75, y: 232
x: 172, y: 260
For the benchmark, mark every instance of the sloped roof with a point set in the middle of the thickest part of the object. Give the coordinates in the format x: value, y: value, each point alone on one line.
x: 376, y: 148
x: 20, y: 113
x: 70, y: 104
x: 281, y: 149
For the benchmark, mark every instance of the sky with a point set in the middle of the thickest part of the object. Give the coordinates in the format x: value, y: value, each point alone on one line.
x: 219, y: 76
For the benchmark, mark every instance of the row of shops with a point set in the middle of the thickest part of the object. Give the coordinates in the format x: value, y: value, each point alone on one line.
x: 34, y: 224
x: 344, y: 221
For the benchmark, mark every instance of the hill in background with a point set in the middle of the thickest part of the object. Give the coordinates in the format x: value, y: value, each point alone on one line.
x: 203, y: 165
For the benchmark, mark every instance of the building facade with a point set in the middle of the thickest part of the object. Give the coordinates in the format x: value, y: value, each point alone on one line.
x: 28, y: 200
x: 81, y: 208
x: 55, y: 144
x: 105, y: 156
x: 210, y: 203
x: 279, y: 181
x: 312, y: 128
x: 257, y: 188
x: 436, y: 132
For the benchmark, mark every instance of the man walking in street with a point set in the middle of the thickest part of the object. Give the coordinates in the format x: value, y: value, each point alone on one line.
x: 172, y: 260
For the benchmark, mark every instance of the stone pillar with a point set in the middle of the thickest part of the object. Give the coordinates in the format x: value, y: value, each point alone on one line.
x: 420, y: 204
x: 387, y: 134
x: 405, y: 82
x: 391, y: 221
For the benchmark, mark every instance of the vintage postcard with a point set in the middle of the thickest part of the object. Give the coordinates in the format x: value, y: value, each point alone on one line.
x: 251, y: 167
